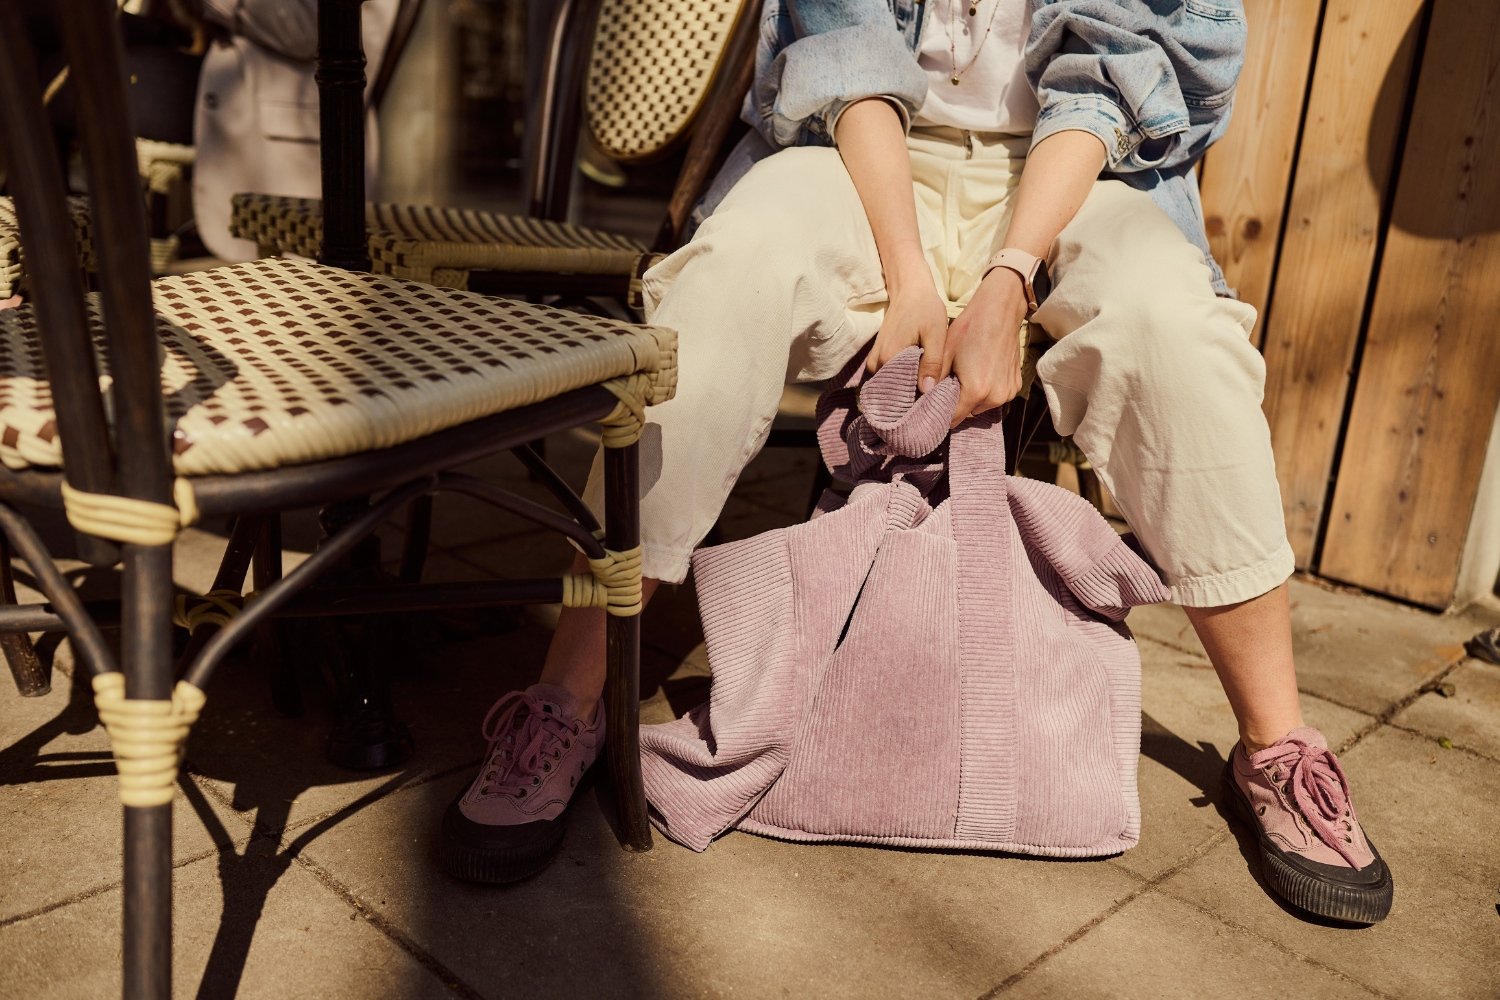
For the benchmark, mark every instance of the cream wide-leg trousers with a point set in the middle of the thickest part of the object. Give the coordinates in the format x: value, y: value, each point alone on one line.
x: 1152, y: 374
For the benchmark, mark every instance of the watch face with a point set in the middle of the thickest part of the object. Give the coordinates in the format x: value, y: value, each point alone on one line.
x: 1041, y: 282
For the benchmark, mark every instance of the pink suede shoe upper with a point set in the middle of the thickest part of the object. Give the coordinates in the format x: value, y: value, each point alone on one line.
x: 539, y: 750
x: 1301, y: 799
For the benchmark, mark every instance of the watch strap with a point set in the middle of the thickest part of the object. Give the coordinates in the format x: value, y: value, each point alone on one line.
x: 1024, y: 264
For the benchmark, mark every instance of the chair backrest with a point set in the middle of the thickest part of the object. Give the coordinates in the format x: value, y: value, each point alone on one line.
x: 139, y: 466
x: 652, y: 68
x: 595, y: 69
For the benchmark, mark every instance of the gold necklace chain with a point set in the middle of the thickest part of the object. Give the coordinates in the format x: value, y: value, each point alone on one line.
x: 957, y: 74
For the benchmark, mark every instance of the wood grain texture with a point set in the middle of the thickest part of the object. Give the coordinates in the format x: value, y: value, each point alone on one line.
x: 1343, y: 170
x: 1245, y: 175
x: 1429, y: 381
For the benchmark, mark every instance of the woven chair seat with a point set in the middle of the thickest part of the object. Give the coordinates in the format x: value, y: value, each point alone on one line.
x: 441, y: 245
x: 279, y: 362
x: 12, y: 260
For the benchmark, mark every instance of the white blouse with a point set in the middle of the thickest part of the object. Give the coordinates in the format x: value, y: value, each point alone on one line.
x: 992, y: 94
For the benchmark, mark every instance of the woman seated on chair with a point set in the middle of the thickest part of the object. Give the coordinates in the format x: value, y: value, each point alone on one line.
x: 935, y: 164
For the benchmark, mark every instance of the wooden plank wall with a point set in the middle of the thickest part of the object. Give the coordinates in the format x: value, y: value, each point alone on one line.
x: 1244, y: 177
x: 1334, y: 221
x: 1383, y: 373
x: 1429, y: 380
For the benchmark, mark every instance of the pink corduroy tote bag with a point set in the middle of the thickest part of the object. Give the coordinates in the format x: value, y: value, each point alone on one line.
x: 938, y: 661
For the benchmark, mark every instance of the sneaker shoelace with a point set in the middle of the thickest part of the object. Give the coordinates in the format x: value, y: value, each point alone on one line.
x: 525, y: 735
x: 1318, y: 789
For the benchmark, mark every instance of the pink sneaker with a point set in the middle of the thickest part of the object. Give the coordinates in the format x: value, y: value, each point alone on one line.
x: 1314, y: 853
x: 509, y: 822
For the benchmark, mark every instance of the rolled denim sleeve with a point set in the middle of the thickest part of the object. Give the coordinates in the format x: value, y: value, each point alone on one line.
x: 1156, y: 90
x: 837, y: 52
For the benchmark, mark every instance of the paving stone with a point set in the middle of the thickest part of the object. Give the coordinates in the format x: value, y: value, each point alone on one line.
x: 60, y: 806
x: 1361, y: 651
x: 750, y: 917
x: 1353, y: 649
x: 1187, y: 731
x: 283, y: 934
x: 1168, y: 625
x: 1164, y: 949
x: 1470, y: 718
x: 1434, y: 814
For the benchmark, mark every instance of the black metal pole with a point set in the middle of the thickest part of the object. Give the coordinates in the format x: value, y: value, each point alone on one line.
x: 341, y: 103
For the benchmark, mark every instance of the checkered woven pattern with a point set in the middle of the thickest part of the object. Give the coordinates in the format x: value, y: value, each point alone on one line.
x: 278, y: 362
x: 651, y: 68
x: 439, y: 245
x: 12, y: 263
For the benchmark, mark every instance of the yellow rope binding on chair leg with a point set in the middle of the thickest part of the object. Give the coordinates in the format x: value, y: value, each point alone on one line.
x: 147, y: 737
x: 614, y: 584
x: 131, y: 521
x: 217, y: 607
x: 622, y: 427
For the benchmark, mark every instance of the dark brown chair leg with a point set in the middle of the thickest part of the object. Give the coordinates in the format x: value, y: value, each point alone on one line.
x: 230, y: 576
x: 622, y: 688
x: 418, y: 535
x: 270, y: 653
x: 147, y: 656
x: 1090, y: 488
x: 822, y: 481
x: 366, y: 734
x: 31, y: 677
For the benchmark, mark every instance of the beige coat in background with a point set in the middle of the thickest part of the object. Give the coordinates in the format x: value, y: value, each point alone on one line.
x: 256, y: 124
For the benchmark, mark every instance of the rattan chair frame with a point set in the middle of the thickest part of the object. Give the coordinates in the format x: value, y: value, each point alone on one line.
x: 128, y: 456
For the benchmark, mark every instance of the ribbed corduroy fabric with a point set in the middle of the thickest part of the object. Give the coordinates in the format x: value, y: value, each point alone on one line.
x: 938, y: 661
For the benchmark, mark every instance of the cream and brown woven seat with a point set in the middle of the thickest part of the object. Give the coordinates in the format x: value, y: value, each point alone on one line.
x: 441, y: 245
x: 658, y: 72
x: 13, y: 260
x: 281, y: 362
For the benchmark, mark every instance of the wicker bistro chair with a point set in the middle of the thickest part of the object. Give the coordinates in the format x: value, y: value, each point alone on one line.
x: 657, y: 73
x: 254, y: 388
x: 12, y: 257
x: 162, y: 167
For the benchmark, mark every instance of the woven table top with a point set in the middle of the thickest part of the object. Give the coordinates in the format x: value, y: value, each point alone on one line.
x: 279, y: 362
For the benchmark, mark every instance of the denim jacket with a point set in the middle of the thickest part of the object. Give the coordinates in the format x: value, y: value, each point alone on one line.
x: 1153, y: 79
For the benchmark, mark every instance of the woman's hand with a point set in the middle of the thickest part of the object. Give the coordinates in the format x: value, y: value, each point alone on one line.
x: 984, y: 345
x: 915, y: 314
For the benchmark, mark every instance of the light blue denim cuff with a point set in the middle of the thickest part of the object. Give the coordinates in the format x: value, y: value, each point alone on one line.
x: 1128, y: 146
x: 837, y: 111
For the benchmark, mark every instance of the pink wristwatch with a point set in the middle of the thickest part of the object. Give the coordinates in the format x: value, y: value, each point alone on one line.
x: 1032, y: 270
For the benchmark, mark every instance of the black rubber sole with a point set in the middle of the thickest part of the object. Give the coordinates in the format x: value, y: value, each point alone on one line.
x: 525, y: 851
x: 1319, y: 896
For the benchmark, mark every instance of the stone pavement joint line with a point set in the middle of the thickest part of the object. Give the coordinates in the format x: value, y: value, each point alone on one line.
x: 1395, y: 707
x: 1289, y: 952
x: 99, y: 890
x: 421, y: 955
x: 333, y: 885
x: 1146, y: 886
